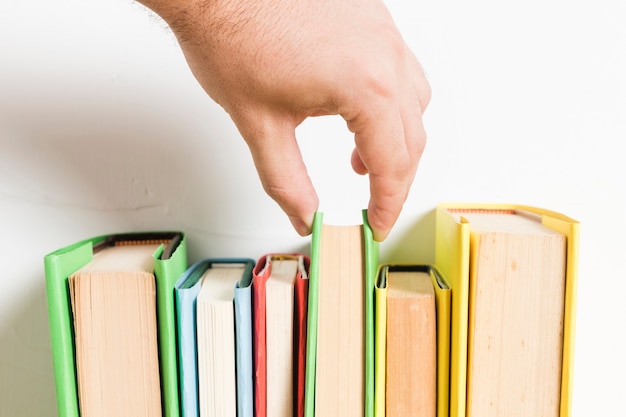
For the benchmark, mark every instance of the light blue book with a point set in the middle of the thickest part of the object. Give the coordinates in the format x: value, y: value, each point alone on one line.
x: 186, y: 293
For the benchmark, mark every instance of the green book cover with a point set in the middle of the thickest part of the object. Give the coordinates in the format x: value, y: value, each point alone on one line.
x: 170, y: 263
x: 168, y: 269
x: 370, y: 264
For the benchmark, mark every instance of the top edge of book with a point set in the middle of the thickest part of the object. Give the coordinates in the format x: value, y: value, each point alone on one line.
x: 125, y: 258
x: 502, y: 220
x: 409, y: 284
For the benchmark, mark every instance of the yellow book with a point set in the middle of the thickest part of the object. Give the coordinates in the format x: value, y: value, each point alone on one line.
x: 442, y: 306
x: 458, y: 240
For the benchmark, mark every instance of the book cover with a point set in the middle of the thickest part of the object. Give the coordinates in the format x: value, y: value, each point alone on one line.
x: 380, y: 341
x: 169, y: 261
x: 243, y: 343
x: 186, y: 292
x: 351, y: 253
x: 168, y: 266
x: 300, y: 335
x: 443, y: 297
x: 453, y: 258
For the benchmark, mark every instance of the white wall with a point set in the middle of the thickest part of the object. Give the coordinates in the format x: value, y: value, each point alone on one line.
x: 103, y: 129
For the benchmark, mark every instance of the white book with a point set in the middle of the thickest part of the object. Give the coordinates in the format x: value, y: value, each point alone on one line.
x: 216, y: 341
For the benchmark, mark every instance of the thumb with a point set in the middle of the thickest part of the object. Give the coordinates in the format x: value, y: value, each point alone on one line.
x: 280, y: 166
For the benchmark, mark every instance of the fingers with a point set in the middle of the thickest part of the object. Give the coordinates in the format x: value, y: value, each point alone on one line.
x: 382, y: 150
x: 279, y: 163
x: 390, y: 139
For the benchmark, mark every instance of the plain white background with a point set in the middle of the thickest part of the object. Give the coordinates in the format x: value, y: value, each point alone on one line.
x: 104, y: 129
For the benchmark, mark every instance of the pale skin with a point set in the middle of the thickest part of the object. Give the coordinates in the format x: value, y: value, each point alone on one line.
x: 273, y: 63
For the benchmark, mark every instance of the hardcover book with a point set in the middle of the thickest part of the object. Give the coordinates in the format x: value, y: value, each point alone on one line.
x: 513, y: 272
x: 169, y: 260
x: 340, y: 343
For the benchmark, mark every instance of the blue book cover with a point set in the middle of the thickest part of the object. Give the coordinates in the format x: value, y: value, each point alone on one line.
x: 243, y: 344
x: 186, y: 293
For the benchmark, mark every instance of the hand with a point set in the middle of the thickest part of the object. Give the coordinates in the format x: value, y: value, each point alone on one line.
x: 272, y: 63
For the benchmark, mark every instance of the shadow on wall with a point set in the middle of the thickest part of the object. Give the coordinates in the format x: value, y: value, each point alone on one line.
x: 416, y: 245
x: 78, y: 159
x: 25, y: 360
x: 75, y: 146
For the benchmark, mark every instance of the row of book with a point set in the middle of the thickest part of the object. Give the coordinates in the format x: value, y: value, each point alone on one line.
x: 487, y: 330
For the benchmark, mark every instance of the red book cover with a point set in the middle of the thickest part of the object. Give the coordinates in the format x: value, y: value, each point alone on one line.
x: 299, y: 337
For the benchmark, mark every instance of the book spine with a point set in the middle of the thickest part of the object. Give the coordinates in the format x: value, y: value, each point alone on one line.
x: 371, y: 267
x: 311, y: 343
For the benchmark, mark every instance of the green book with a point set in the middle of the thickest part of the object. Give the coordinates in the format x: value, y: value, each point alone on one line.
x: 170, y: 261
x: 340, y: 335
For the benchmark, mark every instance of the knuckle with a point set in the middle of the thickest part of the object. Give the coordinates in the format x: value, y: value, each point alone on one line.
x: 424, y: 92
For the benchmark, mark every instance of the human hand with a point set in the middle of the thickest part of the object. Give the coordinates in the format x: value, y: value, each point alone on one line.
x: 272, y: 63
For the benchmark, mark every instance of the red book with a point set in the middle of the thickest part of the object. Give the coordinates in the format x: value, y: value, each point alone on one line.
x: 280, y: 294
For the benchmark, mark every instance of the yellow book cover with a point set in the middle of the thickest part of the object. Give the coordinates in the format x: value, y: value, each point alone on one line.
x: 380, y: 345
x: 453, y: 258
x: 442, y: 303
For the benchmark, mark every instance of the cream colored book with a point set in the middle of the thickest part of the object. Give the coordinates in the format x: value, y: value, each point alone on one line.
x: 215, y: 321
x: 113, y: 299
x: 517, y: 299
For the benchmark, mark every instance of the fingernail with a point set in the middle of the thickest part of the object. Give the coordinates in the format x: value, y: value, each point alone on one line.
x: 301, y: 227
x: 379, y: 236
